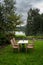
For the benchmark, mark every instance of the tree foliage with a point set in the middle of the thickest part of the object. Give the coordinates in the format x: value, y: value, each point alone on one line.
x: 34, y: 22
x: 8, y: 18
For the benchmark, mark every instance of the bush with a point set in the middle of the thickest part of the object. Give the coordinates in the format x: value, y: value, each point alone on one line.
x: 30, y: 37
x: 38, y: 37
x: 3, y: 39
x: 20, y: 37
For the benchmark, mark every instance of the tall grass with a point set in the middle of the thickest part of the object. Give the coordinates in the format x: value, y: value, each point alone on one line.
x: 35, y: 57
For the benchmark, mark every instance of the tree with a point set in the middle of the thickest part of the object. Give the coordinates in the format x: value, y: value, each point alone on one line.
x: 10, y: 19
x: 1, y: 19
x: 34, y: 22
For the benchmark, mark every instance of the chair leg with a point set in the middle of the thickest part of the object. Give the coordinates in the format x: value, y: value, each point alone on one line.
x: 26, y: 50
x: 18, y: 49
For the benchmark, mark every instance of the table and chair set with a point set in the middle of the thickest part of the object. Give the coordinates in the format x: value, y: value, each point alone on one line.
x: 21, y: 44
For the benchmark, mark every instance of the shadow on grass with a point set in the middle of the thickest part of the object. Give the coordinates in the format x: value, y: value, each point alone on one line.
x: 30, y: 51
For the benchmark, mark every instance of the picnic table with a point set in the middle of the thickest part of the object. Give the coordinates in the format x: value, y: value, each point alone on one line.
x: 23, y: 43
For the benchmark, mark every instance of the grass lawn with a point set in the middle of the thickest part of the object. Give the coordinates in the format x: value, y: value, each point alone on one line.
x: 8, y: 57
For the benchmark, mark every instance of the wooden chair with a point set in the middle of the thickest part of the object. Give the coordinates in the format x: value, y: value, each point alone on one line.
x: 30, y: 45
x: 14, y: 45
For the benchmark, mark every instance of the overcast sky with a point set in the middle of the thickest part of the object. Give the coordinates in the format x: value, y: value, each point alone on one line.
x: 24, y: 5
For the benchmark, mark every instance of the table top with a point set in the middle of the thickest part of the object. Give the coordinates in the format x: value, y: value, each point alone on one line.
x: 23, y: 42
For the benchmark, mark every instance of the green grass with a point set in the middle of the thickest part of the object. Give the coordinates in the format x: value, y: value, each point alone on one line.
x: 35, y: 57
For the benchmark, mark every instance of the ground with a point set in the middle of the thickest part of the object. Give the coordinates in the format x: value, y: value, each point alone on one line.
x: 33, y: 57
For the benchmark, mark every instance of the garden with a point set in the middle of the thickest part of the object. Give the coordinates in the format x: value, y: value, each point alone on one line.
x: 25, y: 48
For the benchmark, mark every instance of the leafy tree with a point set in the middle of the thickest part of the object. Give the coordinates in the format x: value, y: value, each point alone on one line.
x: 34, y: 22
x: 1, y: 19
x: 10, y: 19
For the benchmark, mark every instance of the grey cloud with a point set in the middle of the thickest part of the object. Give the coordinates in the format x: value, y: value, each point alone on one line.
x: 24, y: 5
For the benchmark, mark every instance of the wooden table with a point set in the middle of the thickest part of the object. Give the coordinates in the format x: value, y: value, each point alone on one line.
x: 23, y: 42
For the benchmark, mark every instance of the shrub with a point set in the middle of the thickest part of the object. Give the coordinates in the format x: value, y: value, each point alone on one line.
x: 38, y: 37
x: 20, y: 37
x: 3, y: 39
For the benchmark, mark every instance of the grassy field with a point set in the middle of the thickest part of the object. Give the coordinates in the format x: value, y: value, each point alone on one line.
x: 35, y: 57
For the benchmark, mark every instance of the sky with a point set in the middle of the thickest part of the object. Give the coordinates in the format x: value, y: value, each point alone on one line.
x: 23, y: 7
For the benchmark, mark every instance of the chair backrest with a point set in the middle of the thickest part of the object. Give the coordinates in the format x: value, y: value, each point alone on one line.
x: 12, y: 43
x: 32, y: 41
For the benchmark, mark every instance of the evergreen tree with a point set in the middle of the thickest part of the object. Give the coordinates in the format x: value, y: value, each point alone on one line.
x: 34, y: 22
